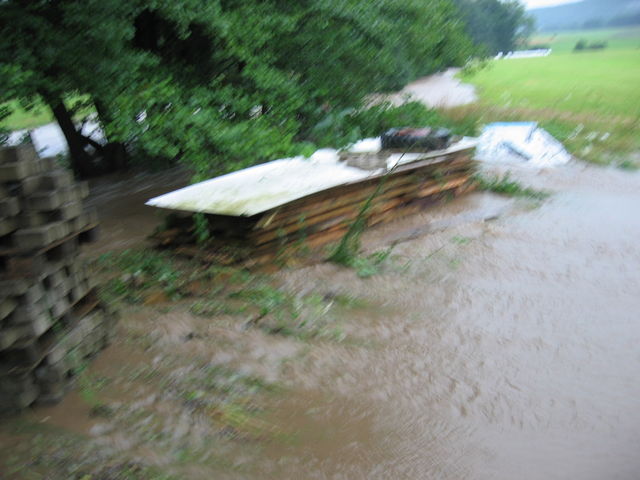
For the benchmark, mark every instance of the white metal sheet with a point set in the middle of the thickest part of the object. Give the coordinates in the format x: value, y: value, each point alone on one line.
x: 260, y: 188
x: 263, y: 187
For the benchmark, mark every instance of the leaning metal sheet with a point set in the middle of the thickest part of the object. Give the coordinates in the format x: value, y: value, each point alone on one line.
x: 258, y: 189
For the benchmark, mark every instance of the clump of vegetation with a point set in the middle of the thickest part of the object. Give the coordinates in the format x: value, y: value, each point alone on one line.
x: 132, y: 274
x: 629, y: 165
x: 153, y: 277
x: 505, y: 185
x: 275, y: 311
x: 474, y: 65
x: 364, y: 265
x: 347, y: 251
x: 584, y: 45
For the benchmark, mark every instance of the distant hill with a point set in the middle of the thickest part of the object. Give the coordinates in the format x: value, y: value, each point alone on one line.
x: 587, y: 14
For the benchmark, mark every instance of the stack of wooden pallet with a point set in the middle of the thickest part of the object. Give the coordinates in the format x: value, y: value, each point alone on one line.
x: 324, y: 216
x: 50, y: 317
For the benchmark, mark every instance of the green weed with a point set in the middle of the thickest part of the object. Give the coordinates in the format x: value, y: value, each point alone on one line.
x: 347, y: 252
x: 133, y: 272
x: 89, y: 386
x: 201, y: 225
x: 371, y: 264
x: 274, y: 310
x: 267, y: 298
x: 629, y: 165
x: 460, y: 240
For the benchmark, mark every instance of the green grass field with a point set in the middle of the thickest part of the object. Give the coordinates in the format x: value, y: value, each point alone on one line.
x: 39, y: 114
x: 589, y: 99
x: 21, y: 118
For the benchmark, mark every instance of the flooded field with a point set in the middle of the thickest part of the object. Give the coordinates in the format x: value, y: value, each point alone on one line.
x: 498, y: 341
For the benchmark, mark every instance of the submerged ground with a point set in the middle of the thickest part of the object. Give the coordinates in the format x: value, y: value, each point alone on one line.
x: 500, y: 345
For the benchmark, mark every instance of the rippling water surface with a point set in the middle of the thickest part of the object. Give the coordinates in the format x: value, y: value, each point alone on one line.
x: 504, y: 349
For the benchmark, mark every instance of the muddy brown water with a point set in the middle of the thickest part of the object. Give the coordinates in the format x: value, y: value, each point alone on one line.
x: 501, y: 341
x: 125, y: 220
x: 514, y: 352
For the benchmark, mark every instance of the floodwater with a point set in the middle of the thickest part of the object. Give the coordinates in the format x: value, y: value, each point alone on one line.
x: 501, y: 341
x: 512, y: 352
x: 125, y: 220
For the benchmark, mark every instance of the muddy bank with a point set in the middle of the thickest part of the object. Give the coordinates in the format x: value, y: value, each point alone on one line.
x: 499, y: 341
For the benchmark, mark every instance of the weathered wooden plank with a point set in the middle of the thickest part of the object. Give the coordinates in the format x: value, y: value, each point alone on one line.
x: 401, y: 175
x: 387, y: 212
x: 386, y: 199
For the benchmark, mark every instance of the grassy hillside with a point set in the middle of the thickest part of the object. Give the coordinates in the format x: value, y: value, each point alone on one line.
x: 589, y: 99
x: 584, y: 13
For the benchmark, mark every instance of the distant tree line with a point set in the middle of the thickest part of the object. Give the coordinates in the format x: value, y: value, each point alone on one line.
x: 219, y: 84
x: 618, y: 21
x: 588, y: 14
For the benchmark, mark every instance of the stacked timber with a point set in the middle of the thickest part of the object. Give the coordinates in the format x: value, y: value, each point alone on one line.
x: 314, y: 220
x: 50, y: 317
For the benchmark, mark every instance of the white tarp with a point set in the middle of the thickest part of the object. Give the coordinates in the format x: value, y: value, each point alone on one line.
x: 540, y: 52
x: 522, y: 143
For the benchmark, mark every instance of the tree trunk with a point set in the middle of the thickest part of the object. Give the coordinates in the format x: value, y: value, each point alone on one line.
x: 114, y: 154
x: 80, y: 159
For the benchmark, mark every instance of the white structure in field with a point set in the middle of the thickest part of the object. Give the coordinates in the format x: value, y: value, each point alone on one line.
x: 541, y: 52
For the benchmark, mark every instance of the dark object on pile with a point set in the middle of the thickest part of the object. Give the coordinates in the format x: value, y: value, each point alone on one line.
x: 423, y: 139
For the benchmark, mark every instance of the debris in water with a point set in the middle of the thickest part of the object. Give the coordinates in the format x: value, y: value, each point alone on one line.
x: 520, y: 142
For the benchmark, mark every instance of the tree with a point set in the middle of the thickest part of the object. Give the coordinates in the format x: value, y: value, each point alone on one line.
x: 496, y: 25
x: 53, y: 50
x: 217, y: 84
